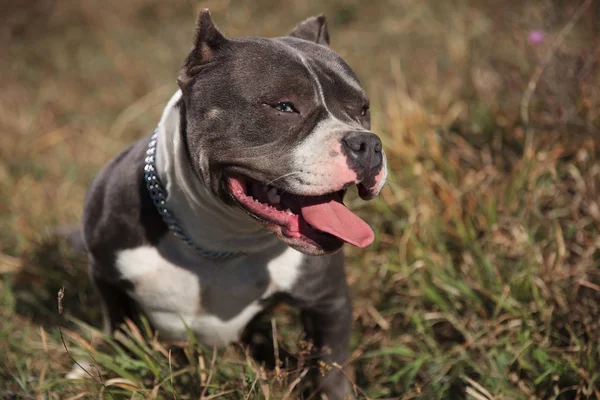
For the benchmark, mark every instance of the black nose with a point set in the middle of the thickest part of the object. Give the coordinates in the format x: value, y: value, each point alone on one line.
x: 364, y: 148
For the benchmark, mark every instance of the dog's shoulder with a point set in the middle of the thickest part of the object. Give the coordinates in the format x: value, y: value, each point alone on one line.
x: 118, y: 212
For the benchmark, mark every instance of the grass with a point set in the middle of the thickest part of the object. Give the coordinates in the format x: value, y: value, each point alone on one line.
x: 483, y: 282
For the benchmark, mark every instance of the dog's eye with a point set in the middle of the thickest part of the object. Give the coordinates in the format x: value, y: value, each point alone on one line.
x: 364, y: 111
x: 284, y: 107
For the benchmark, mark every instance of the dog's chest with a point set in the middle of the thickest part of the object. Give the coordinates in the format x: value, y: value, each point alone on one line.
x: 215, y: 300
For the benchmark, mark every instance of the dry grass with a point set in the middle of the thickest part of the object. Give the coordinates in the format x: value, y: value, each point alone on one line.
x: 483, y: 282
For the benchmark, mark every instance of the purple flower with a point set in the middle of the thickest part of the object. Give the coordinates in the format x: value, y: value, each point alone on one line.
x: 536, y: 37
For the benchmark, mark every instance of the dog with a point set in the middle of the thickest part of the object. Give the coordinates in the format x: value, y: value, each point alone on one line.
x: 235, y: 201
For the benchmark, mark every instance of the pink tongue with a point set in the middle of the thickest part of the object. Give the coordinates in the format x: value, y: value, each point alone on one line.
x: 333, y: 217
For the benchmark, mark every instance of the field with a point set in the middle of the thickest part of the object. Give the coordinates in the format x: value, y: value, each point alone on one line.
x: 484, y: 279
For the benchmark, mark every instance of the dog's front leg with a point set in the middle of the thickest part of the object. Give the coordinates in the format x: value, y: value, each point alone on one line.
x: 328, y: 327
x: 116, y: 304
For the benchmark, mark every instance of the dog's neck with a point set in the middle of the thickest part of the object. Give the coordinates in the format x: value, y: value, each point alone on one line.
x: 206, y: 220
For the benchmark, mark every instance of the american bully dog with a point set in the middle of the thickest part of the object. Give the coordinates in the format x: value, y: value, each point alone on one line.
x: 235, y: 201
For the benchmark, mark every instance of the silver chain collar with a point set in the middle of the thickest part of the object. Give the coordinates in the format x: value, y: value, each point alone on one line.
x: 158, y: 194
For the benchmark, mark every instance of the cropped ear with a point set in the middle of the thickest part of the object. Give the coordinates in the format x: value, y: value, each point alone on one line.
x: 313, y: 29
x: 208, y: 41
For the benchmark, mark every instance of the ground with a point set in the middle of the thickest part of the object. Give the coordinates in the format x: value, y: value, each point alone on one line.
x: 483, y: 281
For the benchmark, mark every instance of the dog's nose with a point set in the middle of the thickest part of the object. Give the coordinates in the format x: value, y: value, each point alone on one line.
x: 364, y: 148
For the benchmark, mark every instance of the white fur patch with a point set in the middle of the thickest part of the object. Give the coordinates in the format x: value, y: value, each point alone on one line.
x: 159, y: 282
x: 285, y: 268
x: 321, y: 165
x: 171, y: 295
x: 382, y: 176
x: 168, y: 118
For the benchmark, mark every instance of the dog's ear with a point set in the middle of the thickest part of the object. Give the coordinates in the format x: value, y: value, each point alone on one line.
x: 208, y: 41
x: 313, y: 29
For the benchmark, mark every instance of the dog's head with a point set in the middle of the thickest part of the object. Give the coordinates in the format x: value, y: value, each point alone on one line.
x: 281, y: 128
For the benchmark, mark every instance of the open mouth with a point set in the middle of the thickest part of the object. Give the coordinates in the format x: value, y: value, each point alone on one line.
x: 320, y: 221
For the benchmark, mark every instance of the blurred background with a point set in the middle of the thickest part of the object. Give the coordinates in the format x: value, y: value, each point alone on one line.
x: 483, y: 282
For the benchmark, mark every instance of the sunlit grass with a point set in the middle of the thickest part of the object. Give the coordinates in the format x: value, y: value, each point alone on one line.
x: 483, y: 281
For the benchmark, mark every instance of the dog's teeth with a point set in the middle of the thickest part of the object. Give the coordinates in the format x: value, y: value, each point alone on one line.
x: 289, y: 211
x: 273, y: 196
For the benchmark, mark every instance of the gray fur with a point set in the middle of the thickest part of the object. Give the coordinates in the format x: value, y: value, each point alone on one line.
x: 222, y: 123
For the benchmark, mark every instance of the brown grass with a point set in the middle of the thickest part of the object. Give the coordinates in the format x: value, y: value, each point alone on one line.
x: 483, y: 282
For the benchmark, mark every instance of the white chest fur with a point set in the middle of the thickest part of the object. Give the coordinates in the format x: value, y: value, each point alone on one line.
x: 215, y: 300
